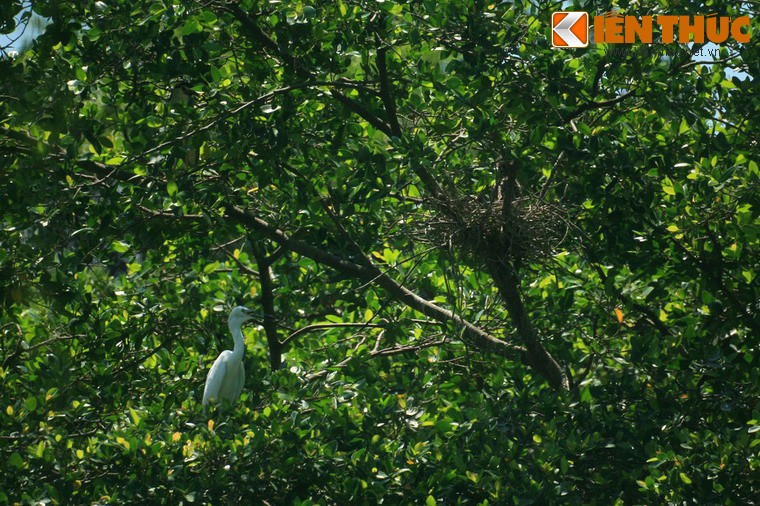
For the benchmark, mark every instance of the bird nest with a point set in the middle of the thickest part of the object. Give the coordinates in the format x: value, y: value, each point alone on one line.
x: 528, y: 230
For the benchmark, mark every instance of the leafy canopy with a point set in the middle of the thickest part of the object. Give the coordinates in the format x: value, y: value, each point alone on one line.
x: 489, y: 271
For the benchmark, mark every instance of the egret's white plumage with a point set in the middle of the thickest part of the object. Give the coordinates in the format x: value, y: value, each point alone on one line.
x: 226, y: 377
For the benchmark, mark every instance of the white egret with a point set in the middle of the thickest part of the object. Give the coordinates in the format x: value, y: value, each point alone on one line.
x: 226, y: 377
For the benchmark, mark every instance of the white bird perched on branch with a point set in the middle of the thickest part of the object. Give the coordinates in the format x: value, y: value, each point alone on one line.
x: 226, y: 377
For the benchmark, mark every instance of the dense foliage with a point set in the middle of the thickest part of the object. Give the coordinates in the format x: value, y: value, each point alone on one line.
x: 488, y: 271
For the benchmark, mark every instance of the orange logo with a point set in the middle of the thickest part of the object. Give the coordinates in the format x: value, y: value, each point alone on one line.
x: 570, y: 29
x: 613, y: 28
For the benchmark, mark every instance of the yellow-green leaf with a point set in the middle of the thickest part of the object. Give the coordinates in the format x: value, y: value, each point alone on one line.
x: 135, y: 417
x: 123, y: 442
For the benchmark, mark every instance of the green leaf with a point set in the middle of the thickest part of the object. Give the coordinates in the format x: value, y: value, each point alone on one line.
x: 191, y: 26
x: 16, y: 460
x: 207, y: 17
x: 30, y: 403
x: 116, y: 160
x: 120, y: 246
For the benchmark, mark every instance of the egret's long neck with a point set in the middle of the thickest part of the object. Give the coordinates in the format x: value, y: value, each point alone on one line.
x: 237, y: 336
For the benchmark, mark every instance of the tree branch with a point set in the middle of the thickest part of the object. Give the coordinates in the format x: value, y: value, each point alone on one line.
x: 385, y: 92
x: 377, y: 352
x: 536, y: 355
x: 470, y: 333
x: 392, y: 129
x: 597, y: 105
x: 267, y: 304
x: 361, y: 111
x: 323, y: 326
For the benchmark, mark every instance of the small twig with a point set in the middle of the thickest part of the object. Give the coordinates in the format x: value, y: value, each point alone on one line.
x: 323, y: 326
x: 229, y: 243
x: 548, y: 182
x: 380, y: 336
x: 169, y: 215
x: 597, y: 105
x: 343, y: 363
x: 243, y: 267
x: 397, y: 350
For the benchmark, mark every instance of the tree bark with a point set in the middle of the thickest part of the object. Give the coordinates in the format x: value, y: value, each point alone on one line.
x: 535, y: 354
